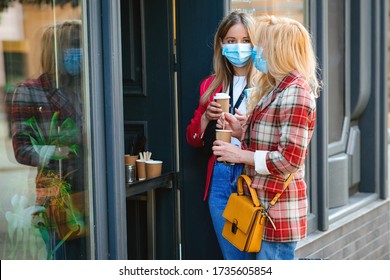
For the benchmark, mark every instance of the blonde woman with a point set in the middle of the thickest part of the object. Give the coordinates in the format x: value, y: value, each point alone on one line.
x: 276, y: 139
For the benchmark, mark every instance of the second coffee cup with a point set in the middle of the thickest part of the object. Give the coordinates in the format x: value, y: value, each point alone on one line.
x: 223, y: 134
x: 141, y: 171
x: 153, y: 168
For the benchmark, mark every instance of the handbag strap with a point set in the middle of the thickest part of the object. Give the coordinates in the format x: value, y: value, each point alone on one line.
x: 276, y: 197
x: 240, y: 189
x: 253, y: 192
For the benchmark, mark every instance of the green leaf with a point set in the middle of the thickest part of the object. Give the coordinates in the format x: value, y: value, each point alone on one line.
x: 74, y: 148
x: 69, y: 133
x: 38, y: 133
x: 32, y: 121
x: 41, y: 135
x: 35, y: 142
x: 53, y: 126
x: 59, y: 156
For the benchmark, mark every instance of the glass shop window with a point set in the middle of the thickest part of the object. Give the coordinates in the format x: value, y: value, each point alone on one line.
x: 44, y: 210
x: 290, y: 8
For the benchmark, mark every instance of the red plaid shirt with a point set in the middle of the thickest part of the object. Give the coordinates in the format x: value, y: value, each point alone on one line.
x: 283, y: 124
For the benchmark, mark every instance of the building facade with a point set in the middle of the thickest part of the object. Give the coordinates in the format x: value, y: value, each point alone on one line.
x: 128, y: 74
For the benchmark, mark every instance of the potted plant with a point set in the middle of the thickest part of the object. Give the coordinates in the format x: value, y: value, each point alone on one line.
x: 54, y: 192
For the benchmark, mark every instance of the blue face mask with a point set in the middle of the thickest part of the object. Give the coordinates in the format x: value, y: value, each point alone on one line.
x: 258, y: 61
x: 238, y: 54
x: 73, y: 59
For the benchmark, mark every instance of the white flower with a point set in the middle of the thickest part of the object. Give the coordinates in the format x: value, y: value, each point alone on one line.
x: 20, y: 218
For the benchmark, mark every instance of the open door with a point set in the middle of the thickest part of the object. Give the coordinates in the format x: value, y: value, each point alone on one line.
x: 150, y: 125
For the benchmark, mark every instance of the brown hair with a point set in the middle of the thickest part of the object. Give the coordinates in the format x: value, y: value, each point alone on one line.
x: 223, y: 70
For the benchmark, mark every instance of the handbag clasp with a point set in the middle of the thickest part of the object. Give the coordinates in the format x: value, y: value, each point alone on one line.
x: 234, y: 226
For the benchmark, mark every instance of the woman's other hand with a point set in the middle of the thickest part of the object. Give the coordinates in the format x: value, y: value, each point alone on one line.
x: 242, y: 118
x: 229, y: 121
x: 213, y: 111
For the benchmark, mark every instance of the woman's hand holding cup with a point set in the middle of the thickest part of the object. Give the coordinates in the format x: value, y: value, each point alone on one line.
x: 231, y: 122
x: 213, y: 111
x: 226, y: 152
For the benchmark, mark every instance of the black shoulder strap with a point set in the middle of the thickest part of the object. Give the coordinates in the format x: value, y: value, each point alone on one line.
x: 239, y: 100
x: 231, y: 96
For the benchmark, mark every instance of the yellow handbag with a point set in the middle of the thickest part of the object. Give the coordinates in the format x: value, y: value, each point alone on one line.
x: 246, y: 217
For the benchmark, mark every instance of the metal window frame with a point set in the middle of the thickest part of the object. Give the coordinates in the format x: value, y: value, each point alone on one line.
x: 106, y: 95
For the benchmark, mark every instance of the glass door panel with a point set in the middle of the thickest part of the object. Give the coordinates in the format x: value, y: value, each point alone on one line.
x: 44, y: 178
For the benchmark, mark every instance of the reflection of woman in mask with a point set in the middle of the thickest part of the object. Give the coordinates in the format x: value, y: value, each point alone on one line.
x: 61, y: 48
x: 57, y: 90
x: 62, y: 57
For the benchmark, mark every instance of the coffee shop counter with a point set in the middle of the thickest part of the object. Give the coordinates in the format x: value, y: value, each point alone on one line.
x: 163, y: 181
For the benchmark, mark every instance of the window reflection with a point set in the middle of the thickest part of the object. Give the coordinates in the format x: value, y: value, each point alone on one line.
x: 290, y: 8
x: 44, y: 209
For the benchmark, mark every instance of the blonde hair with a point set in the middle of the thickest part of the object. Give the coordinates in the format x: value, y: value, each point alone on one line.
x: 55, y: 39
x: 288, y: 46
x: 223, y: 70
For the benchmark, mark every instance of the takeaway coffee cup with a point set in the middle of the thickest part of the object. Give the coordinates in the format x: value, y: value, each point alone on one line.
x: 224, y: 135
x: 141, y: 171
x: 130, y: 160
x: 223, y: 99
x: 153, y: 168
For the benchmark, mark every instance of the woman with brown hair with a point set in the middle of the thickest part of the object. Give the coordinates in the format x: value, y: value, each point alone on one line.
x: 233, y: 70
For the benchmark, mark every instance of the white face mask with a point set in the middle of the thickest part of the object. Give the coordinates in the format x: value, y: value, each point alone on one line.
x: 238, y: 54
